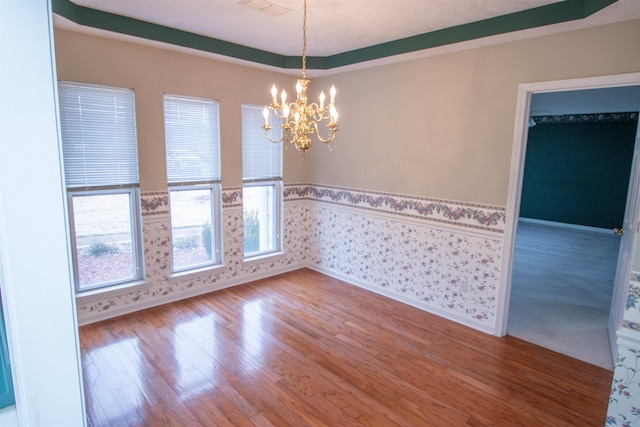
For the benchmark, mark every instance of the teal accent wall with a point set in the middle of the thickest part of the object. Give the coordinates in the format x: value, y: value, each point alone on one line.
x: 578, y: 173
x: 7, y: 396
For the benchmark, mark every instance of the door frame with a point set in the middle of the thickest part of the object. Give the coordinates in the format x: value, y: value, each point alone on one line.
x: 518, y: 154
x: 628, y: 244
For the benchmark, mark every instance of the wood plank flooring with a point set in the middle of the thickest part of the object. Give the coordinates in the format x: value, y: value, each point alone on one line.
x: 304, y: 349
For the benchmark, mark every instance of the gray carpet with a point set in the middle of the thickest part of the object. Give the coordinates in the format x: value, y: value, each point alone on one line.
x: 561, y: 290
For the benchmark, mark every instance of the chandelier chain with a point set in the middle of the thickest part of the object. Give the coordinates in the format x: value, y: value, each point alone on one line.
x: 304, y: 40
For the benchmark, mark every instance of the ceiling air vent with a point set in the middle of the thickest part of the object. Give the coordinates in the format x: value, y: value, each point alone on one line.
x: 265, y: 6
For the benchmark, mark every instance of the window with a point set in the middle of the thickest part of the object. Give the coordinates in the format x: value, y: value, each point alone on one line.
x: 100, y: 151
x: 192, y: 140
x: 262, y: 184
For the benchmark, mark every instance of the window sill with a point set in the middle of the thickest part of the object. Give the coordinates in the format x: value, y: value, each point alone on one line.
x: 197, y: 273
x: 258, y: 259
x: 109, y: 291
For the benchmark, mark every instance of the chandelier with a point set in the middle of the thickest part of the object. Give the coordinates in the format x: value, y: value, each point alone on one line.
x: 299, y: 119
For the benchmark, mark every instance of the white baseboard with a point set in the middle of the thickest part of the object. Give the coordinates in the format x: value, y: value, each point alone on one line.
x: 628, y: 338
x: 565, y: 225
x: 424, y: 307
x: 104, y: 315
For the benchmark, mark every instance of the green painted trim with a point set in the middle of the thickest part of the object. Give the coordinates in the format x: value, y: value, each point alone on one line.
x: 592, y: 6
x: 568, y: 10
x: 545, y: 15
x: 133, y: 27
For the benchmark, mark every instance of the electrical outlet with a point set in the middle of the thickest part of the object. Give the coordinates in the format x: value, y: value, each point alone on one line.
x: 463, y: 284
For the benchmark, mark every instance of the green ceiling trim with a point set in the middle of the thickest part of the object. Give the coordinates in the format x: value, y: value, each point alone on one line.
x: 134, y: 27
x: 555, y: 13
x: 593, y: 6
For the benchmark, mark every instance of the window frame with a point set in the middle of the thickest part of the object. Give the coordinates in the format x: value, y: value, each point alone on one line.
x: 135, y: 219
x: 84, y: 177
x: 216, y: 227
x: 273, y: 179
x: 192, y: 183
x: 277, y: 218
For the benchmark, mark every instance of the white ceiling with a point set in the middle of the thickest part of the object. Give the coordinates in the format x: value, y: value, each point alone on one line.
x: 333, y: 26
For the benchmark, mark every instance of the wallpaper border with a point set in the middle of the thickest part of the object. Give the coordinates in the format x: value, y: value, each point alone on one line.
x: 471, y: 215
x: 626, y: 324
x: 154, y: 203
x: 630, y: 116
x: 632, y: 305
x: 157, y: 202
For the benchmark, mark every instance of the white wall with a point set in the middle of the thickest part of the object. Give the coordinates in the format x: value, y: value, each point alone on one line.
x: 36, y: 285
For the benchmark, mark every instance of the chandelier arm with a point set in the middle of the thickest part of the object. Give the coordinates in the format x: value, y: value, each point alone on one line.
x: 278, y: 115
x: 289, y: 136
x: 320, y: 115
x: 275, y: 141
x: 327, y: 140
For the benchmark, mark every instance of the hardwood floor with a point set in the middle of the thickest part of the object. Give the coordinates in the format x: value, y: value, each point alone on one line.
x: 304, y: 349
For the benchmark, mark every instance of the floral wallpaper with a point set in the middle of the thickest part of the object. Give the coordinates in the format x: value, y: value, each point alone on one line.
x: 632, y: 311
x: 451, y: 271
x: 157, y: 252
x: 406, y: 251
x: 624, y: 401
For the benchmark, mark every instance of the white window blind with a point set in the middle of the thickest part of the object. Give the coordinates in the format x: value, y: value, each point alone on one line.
x: 261, y: 158
x: 99, y: 141
x: 192, y: 139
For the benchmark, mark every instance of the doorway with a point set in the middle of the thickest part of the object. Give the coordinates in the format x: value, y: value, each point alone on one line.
x: 581, y: 88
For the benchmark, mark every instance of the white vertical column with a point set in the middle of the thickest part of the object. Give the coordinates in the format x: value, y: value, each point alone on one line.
x: 34, y: 256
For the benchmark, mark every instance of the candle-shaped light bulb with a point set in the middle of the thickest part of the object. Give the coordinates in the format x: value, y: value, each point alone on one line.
x: 265, y: 113
x: 334, y: 114
x: 274, y: 93
x: 296, y: 116
x: 332, y: 92
x: 283, y: 96
x: 298, y: 88
x: 285, y: 113
x: 322, y: 100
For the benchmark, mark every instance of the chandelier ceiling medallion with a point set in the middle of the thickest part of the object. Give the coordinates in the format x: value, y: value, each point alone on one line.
x: 299, y: 119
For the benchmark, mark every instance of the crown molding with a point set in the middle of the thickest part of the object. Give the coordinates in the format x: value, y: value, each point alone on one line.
x: 555, y: 13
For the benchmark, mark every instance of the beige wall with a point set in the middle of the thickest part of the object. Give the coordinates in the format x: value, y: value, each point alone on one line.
x: 152, y: 72
x: 437, y: 127
x: 443, y: 126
